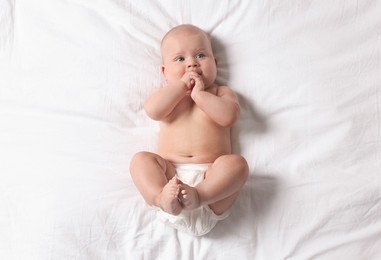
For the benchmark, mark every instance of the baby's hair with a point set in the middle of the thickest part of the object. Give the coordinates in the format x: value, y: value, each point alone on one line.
x: 184, y: 27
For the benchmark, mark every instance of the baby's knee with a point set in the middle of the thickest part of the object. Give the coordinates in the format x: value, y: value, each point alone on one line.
x: 141, y: 156
x: 144, y: 159
x: 139, y: 159
x: 238, y: 164
x: 242, y: 166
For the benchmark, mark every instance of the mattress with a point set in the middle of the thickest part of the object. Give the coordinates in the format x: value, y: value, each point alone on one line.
x: 74, y: 75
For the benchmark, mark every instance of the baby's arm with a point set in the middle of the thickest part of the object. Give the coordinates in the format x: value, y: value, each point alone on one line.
x: 222, y: 108
x: 162, y: 102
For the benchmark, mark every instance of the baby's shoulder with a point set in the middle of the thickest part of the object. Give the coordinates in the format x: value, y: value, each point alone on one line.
x: 223, y: 90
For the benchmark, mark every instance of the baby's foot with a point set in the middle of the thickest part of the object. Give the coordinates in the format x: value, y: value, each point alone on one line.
x: 189, y: 197
x: 168, y: 199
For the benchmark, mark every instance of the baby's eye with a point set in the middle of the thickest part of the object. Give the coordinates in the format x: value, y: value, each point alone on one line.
x: 200, y: 56
x: 179, y: 59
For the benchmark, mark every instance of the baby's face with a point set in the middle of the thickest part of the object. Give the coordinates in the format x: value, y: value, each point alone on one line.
x: 188, y: 50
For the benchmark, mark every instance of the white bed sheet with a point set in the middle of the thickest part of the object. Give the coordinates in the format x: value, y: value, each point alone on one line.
x: 74, y: 75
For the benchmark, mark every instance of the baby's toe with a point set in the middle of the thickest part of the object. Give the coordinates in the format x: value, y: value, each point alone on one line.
x: 184, y: 194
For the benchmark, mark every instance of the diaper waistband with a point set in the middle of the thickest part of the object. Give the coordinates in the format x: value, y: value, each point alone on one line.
x: 191, y: 166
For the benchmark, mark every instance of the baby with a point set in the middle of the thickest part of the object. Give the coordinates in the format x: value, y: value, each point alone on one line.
x: 193, y: 178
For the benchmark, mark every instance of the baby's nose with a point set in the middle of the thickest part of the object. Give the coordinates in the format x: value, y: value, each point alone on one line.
x: 192, y: 65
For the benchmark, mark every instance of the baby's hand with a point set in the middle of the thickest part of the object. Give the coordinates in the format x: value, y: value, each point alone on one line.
x: 193, y: 82
x: 198, y: 82
x: 187, y: 80
x: 198, y: 85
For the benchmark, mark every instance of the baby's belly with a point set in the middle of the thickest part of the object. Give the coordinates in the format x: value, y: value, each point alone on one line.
x: 175, y: 157
x: 194, y: 148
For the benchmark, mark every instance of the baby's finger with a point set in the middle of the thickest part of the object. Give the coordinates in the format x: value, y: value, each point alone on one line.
x: 193, y: 74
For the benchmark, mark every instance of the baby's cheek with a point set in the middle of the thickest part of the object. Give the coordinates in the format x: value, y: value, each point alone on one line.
x: 175, y: 76
x: 179, y: 75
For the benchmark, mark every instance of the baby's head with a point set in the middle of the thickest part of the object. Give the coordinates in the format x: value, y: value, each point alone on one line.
x: 187, y: 47
x: 182, y: 31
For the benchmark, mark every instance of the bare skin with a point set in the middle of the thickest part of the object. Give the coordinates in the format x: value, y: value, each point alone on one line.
x: 195, y: 118
x: 168, y: 199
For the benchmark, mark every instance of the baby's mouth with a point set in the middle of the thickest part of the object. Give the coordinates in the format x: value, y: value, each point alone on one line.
x: 199, y: 72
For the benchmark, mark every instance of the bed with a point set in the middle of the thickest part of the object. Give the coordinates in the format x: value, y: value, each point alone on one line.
x: 73, y: 78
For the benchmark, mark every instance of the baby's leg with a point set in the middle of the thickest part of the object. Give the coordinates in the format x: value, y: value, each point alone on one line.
x: 154, y: 178
x: 223, y: 182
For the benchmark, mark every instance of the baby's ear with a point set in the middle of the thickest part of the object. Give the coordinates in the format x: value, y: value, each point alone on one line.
x: 163, y: 71
x: 215, y: 60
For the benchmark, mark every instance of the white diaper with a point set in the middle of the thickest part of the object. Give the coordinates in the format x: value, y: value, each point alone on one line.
x: 198, y: 221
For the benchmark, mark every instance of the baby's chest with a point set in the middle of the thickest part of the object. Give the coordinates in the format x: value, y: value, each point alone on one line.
x: 191, y: 116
